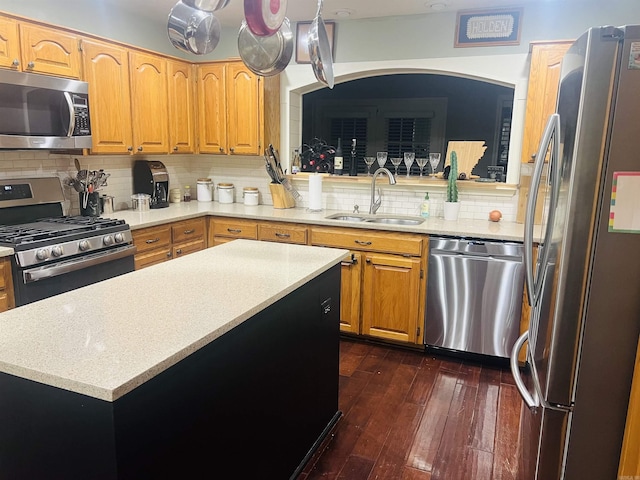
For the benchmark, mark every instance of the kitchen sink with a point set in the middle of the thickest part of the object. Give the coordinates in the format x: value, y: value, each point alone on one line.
x: 388, y: 219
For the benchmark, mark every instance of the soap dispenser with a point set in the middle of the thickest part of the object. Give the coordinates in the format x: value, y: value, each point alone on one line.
x: 424, y: 206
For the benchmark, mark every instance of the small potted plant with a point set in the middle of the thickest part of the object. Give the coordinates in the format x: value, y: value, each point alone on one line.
x: 451, y: 204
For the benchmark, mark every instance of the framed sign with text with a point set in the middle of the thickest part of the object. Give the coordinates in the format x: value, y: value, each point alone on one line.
x: 482, y: 28
x: 302, y: 33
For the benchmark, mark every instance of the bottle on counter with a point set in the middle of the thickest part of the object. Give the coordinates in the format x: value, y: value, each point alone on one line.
x: 338, y: 160
x: 187, y: 193
x: 296, y: 163
x: 424, y: 206
x: 353, y: 166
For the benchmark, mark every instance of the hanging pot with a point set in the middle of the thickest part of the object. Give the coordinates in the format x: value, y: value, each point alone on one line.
x: 207, y: 5
x: 193, y: 30
x: 320, y: 50
x: 264, y: 17
x: 266, y: 55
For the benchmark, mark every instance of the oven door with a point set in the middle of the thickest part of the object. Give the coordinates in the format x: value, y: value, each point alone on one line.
x: 33, y: 284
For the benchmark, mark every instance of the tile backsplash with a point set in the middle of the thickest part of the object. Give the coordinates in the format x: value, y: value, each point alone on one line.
x: 242, y: 172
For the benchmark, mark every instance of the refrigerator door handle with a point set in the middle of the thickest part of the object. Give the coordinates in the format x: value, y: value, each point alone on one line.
x: 534, y: 285
x: 529, y: 399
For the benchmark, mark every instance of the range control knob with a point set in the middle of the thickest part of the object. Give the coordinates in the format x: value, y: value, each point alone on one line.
x: 108, y: 240
x: 42, y: 254
x: 84, y: 245
x: 119, y: 237
x: 57, y: 251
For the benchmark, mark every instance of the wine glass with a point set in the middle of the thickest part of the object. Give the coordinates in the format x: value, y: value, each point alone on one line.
x: 409, y: 157
x: 434, y: 161
x: 382, y: 158
x: 396, y: 161
x: 421, y: 161
x: 369, y: 161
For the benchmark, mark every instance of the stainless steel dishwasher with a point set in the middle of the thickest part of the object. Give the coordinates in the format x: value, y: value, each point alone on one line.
x: 474, y: 295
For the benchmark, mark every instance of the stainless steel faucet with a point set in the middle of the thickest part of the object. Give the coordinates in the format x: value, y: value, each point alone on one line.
x: 375, y: 204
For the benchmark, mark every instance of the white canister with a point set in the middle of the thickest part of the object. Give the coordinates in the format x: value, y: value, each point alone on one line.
x: 225, y: 192
x: 175, y: 195
x: 250, y: 195
x: 204, y: 190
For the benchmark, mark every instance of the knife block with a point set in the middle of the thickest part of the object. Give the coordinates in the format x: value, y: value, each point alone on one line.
x: 282, y: 198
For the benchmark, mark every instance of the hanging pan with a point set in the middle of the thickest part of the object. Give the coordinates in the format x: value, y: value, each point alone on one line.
x: 320, y: 50
x: 266, y: 56
x: 193, y: 30
x: 207, y: 5
x: 264, y: 17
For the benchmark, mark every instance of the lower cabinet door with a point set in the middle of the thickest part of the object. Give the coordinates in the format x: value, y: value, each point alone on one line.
x: 391, y: 296
x: 185, y: 248
x: 350, y: 294
x: 152, y: 257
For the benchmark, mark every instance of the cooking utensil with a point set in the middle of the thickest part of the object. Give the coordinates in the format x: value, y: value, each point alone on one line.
x: 281, y: 176
x: 270, y: 167
x: 192, y: 30
x: 77, y: 162
x: 320, y: 50
x: 266, y: 55
x: 264, y: 17
x: 207, y: 5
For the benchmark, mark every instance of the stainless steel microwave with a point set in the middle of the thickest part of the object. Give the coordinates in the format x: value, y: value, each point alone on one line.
x: 38, y: 111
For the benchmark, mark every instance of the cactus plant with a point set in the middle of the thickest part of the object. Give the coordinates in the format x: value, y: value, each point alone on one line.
x: 452, y: 186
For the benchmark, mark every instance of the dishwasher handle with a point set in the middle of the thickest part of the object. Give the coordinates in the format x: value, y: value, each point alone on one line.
x: 471, y: 255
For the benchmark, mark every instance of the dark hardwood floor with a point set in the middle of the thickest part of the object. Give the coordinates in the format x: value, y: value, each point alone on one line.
x: 411, y: 416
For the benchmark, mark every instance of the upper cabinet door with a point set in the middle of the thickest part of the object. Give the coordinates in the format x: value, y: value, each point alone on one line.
x: 149, y: 103
x: 48, y: 51
x: 9, y: 43
x: 181, y: 107
x: 106, y: 69
x: 212, y: 109
x: 542, y: 92
x: 244, y: 110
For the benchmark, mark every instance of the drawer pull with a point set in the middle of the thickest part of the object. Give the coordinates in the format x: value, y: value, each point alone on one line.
x: 234, y: 230
x: 187, y: 232
x: 282, y: 235
x: 179, y: 251
x: 360, y: 242
x: 155, y: 240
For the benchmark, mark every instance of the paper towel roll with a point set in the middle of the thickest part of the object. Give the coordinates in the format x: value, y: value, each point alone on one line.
x: 315, y: 192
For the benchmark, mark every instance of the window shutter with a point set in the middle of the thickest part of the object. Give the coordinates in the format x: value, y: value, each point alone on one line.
x: 348, y: 129
x: 408, y: 135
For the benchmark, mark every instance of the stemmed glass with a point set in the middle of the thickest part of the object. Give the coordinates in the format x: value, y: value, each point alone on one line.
x: 434, y: 161
x: 421, y: 161
x: 369, y: 161
x: 382, y: 158
x: 395, y: 161
x: 409, y: 157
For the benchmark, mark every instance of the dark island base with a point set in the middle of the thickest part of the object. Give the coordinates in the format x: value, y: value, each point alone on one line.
x: 252, y: 404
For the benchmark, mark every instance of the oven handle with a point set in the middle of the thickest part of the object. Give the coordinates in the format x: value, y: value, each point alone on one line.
x: 53, y: 270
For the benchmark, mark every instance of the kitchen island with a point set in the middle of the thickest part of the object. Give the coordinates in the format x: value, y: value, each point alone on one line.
x: 211, y: 365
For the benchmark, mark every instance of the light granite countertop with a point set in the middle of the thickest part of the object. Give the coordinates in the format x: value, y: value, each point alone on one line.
x: 6, y: 251
x: 484, y: 229
x: 105, y: 339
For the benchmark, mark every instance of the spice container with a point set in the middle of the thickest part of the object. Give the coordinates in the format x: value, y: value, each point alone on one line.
x: 250, y: 195
x: 225, y: 192
x: 175, y: 195
x: 204, y: 190
x: 187, y: 193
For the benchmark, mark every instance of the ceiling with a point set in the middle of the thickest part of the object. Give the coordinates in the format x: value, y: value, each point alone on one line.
x: 305, y: 10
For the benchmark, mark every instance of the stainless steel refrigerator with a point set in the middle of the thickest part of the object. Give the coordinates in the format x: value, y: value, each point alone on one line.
x: 583, y: 265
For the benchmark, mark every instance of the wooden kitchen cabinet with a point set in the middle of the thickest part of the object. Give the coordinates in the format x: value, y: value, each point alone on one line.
x: 7, y: 299
x: 9, y: 43
x: 222, y: 230
x: 182, y: 124
x: 106, y: 69
x: 630, y: 455
x: 159, y: 244
x: 149, y: 112
x: 390, y: 273
x: 188, y: 236
x: 49, y: 51
x: 283, y: 233
x: 238, y: 110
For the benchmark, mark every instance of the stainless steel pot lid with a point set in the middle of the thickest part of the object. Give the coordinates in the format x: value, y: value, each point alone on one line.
x: 265, y: 17
x: 207, y: 5
x: 266, y: 55
x: 193, y: 30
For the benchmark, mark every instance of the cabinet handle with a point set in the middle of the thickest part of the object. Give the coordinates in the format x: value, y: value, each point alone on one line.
x: 221, y: 150
x: 129, y: 148
x: 360, y: 242
x: 187, y: 232
x: 31, y: 65
x: 282, y: 235
x: 232, y: 149
x: 139, y: 149
x: 169, y: 254
x: 234, y: 230
x: 368, y: 260
x: 15, y: 62
x: 155, y: 240
x: 179, y: 251
x: 353, y: 261
x: 175, y: 149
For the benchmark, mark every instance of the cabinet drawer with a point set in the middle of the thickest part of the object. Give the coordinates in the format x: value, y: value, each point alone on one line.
x: 273, y: 232
x: 152, y: 257
x: 367, y: 240
x: 3, y: 272
x: 235, y: 229
x: 188, y: 247
x: 188, y: 230
x: 151, y: 238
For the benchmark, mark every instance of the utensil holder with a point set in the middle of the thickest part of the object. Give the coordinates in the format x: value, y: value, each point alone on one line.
x: 90, y: 204
x: 282, y: 198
